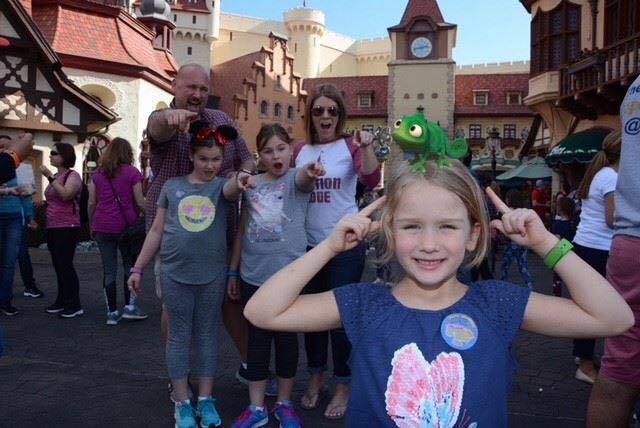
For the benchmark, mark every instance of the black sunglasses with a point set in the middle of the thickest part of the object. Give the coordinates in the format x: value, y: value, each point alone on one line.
x: 53, y: 153
x: 318, y: 111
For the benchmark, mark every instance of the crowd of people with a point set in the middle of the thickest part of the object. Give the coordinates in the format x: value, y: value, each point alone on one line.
x: 284, y: 244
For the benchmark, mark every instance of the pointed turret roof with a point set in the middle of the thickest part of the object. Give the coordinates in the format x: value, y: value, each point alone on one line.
x: 417, y: 8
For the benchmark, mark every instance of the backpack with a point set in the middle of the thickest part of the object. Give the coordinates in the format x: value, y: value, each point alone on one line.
x: 82, y: 199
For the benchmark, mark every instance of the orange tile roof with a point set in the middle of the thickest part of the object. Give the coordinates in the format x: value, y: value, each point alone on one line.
x: 92, y: 36
x: 417, y: 8
x: 498, y: 86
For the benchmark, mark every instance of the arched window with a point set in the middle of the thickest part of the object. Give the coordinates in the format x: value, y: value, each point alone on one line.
x: 277, y: 110
x: 264, y: 108
x: 105, y: 95
x: 290, y: 113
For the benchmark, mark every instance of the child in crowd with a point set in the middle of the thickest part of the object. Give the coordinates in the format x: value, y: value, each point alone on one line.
x: 273, y: 235
x: 431, y: 350
x: 563, y: 227
x: 513, y: 199
x: 190, y: 231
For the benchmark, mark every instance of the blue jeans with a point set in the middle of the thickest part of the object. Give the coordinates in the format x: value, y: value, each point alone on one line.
x: 345, y: 268
x: 10, y: 236
x: 108, y: 245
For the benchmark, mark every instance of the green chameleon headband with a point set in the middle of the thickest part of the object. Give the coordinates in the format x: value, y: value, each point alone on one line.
x: 427, y: 140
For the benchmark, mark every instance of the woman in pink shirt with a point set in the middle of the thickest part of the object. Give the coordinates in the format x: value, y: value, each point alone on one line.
x: 63, y: 227
x: 115, y: 200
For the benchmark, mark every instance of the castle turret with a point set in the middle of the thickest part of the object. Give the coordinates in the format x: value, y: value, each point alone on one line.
x: 156, y: 15
x: 213, y: 24
x: 306, y: 28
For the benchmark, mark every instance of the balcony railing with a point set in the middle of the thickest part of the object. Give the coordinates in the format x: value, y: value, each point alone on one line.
x: 602, y: 67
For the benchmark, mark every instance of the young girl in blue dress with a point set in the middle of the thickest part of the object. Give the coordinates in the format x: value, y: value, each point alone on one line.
x: 273, y: 235
x: 430, y: 350
x: 190, y: 231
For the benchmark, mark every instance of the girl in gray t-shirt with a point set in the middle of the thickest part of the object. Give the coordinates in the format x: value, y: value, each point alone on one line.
x: 190, y: 231
x: 273, y: 232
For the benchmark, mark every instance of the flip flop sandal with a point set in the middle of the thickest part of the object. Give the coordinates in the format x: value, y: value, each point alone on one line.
x: 311, y: 401
x: 335, y: 411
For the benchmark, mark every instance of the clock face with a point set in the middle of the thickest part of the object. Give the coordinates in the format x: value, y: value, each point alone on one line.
x: 421, y: 47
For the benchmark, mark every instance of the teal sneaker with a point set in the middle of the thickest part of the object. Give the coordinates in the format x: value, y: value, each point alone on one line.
x: 286, y: 415
x: 208, y: 414
x: 185, y: 415
x: 253, y: 416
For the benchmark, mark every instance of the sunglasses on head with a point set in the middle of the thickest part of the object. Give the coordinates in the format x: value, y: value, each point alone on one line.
x: 318, y: 111
x: 53, y: 153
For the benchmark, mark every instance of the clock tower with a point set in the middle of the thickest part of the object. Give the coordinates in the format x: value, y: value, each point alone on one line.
x: 421, y: 71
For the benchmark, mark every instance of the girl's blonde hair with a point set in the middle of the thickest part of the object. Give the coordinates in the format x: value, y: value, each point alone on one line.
x: 117, y: 153
x: 456, y: 179
x: 609, y: 155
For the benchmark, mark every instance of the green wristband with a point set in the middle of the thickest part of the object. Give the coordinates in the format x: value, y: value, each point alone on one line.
x: 557, y: 252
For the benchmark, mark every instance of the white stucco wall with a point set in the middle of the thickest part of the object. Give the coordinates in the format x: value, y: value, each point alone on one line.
x: 200, y: 50
x: 135, y: 99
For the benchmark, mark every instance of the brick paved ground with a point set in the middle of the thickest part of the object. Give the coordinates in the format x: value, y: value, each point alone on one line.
x: 81, y: 372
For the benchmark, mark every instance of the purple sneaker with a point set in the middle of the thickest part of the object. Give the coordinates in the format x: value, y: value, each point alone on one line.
x: 286, y: 415
x: 253, y: 416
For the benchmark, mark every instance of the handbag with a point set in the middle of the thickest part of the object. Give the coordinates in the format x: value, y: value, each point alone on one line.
x: 133, y: 234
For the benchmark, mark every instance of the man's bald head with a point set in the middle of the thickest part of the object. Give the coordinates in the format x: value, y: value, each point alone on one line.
x: 191, y: 88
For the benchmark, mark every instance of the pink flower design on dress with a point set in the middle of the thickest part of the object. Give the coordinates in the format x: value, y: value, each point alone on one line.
x: 420, y: 394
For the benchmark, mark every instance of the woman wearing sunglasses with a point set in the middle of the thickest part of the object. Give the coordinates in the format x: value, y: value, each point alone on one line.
x: 347, y: 160
x: 63, y: 228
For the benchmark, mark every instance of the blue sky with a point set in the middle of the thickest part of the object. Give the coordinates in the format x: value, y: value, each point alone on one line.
x: 488, y: 31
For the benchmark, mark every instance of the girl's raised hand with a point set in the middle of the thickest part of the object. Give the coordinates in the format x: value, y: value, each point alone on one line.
x: 523, y: 226
x: 315, y: 169
x: 244, y: 181
x: 354, y: 228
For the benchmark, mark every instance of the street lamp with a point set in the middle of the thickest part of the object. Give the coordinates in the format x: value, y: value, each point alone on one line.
x: 493, y: 143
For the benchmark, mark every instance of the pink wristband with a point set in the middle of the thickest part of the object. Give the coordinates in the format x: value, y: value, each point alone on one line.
x: 136, y: 270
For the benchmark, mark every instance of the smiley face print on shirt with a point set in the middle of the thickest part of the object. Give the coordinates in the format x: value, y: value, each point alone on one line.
x: 196, y: 213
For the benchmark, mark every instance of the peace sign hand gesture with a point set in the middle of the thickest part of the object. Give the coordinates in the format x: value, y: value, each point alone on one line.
x: 523, y: 226
x: 354, y: 228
